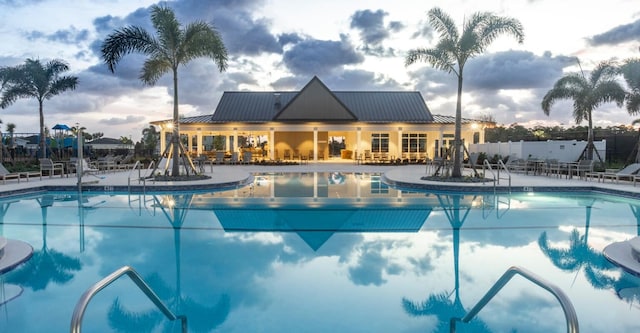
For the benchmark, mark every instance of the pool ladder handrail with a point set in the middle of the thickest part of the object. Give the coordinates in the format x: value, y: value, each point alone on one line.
x: 83, y: 302
x: 486, y: 165
x: 138, y: 166
x: 565, y: 302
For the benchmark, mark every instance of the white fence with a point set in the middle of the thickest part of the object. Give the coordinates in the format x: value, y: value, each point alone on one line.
x: 563, y: 151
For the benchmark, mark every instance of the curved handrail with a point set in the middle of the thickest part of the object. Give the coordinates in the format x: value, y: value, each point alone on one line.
x: 81, y: 306
x: 504, y: 167
x: 567, y: 306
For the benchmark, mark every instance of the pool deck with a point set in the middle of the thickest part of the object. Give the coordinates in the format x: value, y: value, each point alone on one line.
x: 228, y: 176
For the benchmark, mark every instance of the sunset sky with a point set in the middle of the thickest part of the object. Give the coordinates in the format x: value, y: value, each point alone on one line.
x: 282, y: 44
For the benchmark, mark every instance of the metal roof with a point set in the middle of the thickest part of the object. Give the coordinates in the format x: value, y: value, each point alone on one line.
x: 376, y: 107
x: 366, y: 106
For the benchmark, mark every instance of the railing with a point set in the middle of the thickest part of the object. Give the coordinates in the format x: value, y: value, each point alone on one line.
x: 138, y: 166
x: 567, y: 306
x: 496, y: 178
x: 81, y: 306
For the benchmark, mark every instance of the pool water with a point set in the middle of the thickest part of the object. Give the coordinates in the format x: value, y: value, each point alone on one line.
x: 318, y: 252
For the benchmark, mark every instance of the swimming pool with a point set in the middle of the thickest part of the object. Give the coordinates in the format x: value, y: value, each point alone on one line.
x: 318, y: 252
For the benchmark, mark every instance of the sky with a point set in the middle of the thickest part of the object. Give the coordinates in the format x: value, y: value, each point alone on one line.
x: 281, y: 44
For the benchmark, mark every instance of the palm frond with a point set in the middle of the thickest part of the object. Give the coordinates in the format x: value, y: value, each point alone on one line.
x: 167, y: 28
x: 633, y: 103
x: 153, y: 69
x: 443, y: 24
x: 202, y: 40
x: 62, y: 84
x: 127, y: 40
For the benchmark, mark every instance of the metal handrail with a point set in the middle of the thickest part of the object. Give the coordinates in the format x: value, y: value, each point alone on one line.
x: 567, y: 306
x: 81, y: 306
x: 504, y: 167
x: 487, y: 166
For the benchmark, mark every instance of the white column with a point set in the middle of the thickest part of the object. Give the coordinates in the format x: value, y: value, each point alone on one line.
x: 315, y: 144
x: 358, y: 138
x: 399, y: 147
x: 272, y: 143
x: 199, y: 142
x: 235, y: 140
x: 163, y: 140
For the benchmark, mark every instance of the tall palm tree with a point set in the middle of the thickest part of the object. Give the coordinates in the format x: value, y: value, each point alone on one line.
x: 587, y: 94
x: 453, y: 50
x: 630, y: 71
x: 33, y: 79
x: 173, y: 46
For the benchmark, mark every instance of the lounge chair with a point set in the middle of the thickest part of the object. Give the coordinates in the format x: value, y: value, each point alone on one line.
x: 5, y: 174
x: 46, y: 164
x: 627, y: 173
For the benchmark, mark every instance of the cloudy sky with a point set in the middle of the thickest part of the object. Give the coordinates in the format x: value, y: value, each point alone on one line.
x: 282, y: 44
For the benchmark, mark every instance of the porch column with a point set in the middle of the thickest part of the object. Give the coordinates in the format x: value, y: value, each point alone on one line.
x: 399, y: 148
x: 358, y: 138
x: 199, y: 141
x: 163, y: 140
x: 235, y: 140
x: 272, y: 143
x: 315, y: 144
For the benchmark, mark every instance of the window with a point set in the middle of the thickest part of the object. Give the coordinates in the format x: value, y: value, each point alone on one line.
x: 414, y: 142
x: 380, y: 142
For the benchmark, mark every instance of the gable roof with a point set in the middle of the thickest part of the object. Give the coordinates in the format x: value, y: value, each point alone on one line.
x: 316, y: 102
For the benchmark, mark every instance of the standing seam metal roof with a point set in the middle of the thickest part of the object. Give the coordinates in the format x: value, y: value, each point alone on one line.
x: 375, y: 107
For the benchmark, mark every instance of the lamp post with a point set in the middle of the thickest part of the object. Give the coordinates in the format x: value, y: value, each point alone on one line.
x: 80, y: 156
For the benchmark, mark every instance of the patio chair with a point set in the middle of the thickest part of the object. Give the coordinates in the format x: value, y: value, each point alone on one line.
x: 287, y: 154
x: 5, y: 174
x: 87, y: 168
x: 296, y: 154
x: 46, y: 164
x: 627, y: 173
x: 581, y: 169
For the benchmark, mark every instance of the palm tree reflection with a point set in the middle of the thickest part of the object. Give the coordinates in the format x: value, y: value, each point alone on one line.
x: 202, y: 318
x: 440, y: 304
x: 46, y: 265
x: 579, y: 254
x: 625, y: 285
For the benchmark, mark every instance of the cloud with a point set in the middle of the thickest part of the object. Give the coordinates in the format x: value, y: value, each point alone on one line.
x: 620, y: 34
x: 319, y: 57
x: 122, y: 121
x: 373, y: 32
x: 514, y: 70
x: 19, y: 3
x: 289, y: 38
x: 66, y: 36
x: 242, y: 34
x: 371, y: 25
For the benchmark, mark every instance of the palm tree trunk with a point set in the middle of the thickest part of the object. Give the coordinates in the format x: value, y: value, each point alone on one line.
x: 175, y: 136
x: 590, y: 139
x: 457, y: 164
x: 43, y: 142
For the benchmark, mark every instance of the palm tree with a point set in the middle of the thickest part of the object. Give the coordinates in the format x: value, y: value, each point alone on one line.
x: 587, y: 94
x: 174, y: 46
x: 150, y: 139
x: 454, y: 49
x: 11, y: 129
x: 630, y: 71
x: 34, y: 79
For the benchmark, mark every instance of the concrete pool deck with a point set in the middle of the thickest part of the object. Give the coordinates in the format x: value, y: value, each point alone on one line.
x: 222, y: 176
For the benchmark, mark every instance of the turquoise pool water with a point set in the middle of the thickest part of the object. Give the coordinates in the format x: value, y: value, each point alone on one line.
x: 318, y: 252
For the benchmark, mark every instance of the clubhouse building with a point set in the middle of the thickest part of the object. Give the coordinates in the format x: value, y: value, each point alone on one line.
x: 317, y: 123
